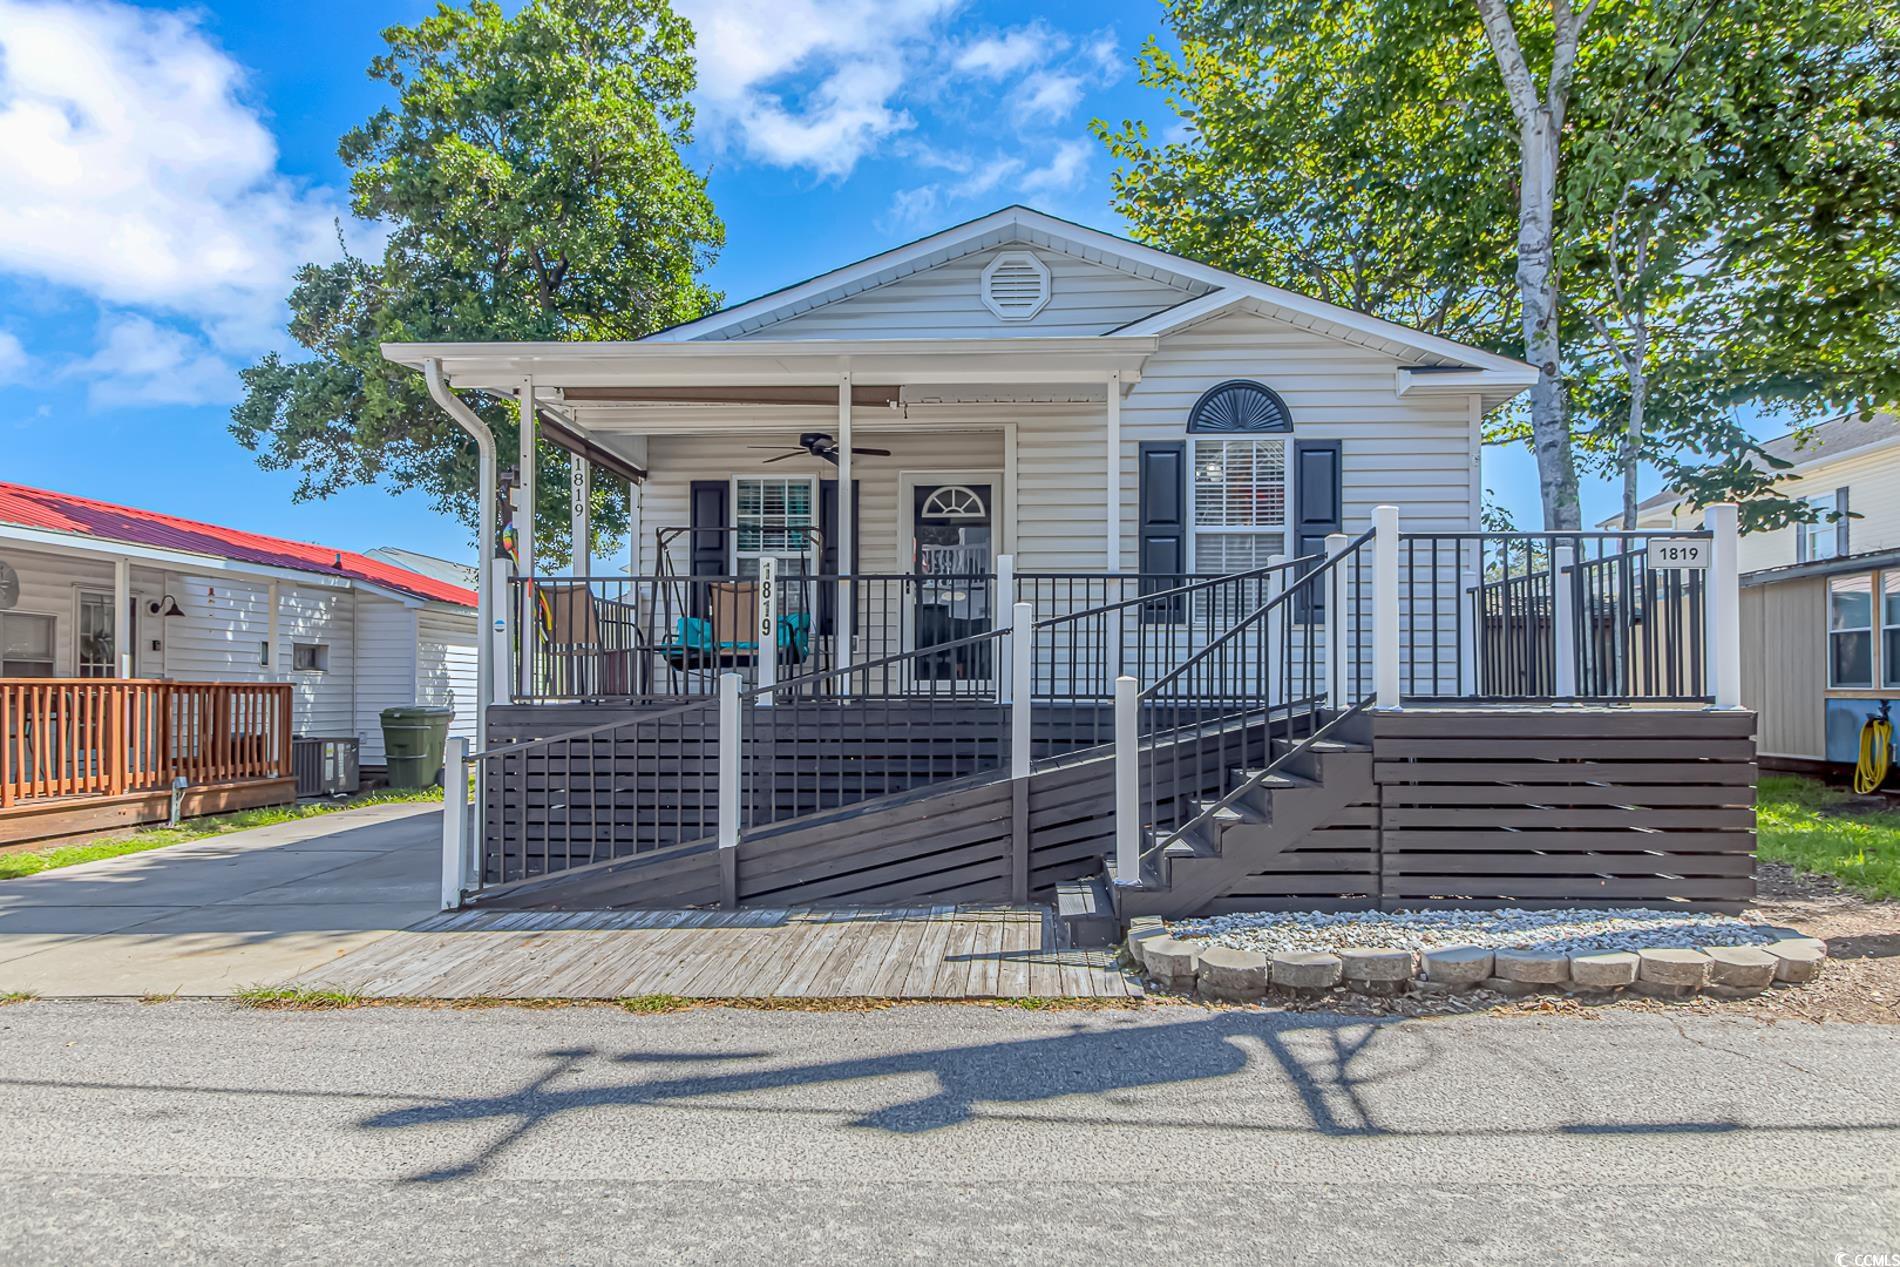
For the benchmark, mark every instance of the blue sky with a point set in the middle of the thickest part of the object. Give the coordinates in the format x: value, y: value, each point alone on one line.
x: 168, y: 167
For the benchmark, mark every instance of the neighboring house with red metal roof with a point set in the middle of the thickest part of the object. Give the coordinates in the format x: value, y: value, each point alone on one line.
x: 93, y: 589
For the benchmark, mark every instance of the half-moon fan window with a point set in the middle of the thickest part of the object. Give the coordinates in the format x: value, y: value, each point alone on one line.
x: 1239, y: 405
x: 953, y: 501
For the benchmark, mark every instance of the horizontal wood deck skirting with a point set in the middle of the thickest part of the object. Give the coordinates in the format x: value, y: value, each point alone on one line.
x: 73, y: 815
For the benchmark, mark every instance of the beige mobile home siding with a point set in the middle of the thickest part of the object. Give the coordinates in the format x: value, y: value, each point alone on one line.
x: 1784, y: 665
x: 1873, y: 484
x: 946, y: 303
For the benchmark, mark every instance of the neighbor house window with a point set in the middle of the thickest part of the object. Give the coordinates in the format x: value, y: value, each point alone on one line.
x: 1890, y: 628
x: 310, y: 657
x: 26, y: 645
x: 1240, y: 500
x: 773, y: 517
x: 1822, y: 538
x: 96, y: 642
x: 1850, y: 631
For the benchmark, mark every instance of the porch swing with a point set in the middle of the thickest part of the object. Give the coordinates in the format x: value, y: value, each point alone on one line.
x: 720, y: 630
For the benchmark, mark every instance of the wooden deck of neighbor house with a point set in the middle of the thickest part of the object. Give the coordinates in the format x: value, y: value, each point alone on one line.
x: 914, y: 952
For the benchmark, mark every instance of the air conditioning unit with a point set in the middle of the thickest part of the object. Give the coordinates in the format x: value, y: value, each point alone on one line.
x: 324, y: 767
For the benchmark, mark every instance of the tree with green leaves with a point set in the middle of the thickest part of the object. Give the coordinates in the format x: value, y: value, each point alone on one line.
x: 530, y: 179
x: 1720, y: 225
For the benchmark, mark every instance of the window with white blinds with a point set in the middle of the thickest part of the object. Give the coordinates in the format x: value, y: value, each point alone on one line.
x: 773, y: 517
x: 1240, y: 502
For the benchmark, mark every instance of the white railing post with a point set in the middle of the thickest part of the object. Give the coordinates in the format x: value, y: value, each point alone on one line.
x: 1003, y: 603
x: 1563, y: 615
x: 1470, y: 622
x: 1022, y: 649
x: 1276, y: 620
x: 767, y: 631
x: 501, y: 608
x: 455, y: 825
x: 1724, y: 604
x: 729, y: 740
x: 1127, y: 781
x: 1385, y: 606
x: 1334, y: 655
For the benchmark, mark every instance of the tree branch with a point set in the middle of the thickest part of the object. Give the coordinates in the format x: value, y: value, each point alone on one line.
x: 1518, y: 87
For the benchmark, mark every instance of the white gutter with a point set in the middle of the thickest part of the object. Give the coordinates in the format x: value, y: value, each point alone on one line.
x: 470, y: 421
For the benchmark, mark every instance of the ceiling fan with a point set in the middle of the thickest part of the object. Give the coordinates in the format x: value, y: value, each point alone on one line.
x: 819, y: 444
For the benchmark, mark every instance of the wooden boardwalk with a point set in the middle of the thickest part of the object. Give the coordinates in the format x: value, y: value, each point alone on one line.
x: 919, y: 952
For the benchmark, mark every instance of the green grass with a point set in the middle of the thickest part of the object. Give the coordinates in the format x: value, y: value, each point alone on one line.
x: 16, y: 996
x: 290, y: 998
x: 32, y: 862
x: 649, y: 1003
x: 1862, y: 851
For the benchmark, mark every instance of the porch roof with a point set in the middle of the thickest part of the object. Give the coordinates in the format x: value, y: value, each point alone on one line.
x: 643, y: 367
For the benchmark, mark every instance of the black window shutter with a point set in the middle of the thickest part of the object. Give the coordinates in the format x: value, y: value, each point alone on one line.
x: 1840, y: 525
x: 1318, y: 507
x: 1162, y: 536
x: 710, y: 506
x: 828, y: 540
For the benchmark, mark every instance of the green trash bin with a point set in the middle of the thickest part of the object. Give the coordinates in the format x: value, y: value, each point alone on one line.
x: 414, y: 737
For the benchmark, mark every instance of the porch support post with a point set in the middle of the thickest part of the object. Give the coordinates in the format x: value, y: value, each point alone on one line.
x: 580, y: 514
x: 525, y: 483
x: 1022, y: 645
x: 767, y: 632
x: 122, y: 615
x: 1563, y: 615
x: 502, y: 643
x: 1385, y: 606
x: 1112, y: 549
x: 455, y: 853
x: 729, y: 739
x: 1003, y: 603
x: 1127, y: 781
x: 1334, y: 654
x: 1724, y: 605
x: 847, y: 560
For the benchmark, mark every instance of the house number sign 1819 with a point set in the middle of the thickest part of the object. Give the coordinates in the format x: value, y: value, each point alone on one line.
x: 1677, y: 554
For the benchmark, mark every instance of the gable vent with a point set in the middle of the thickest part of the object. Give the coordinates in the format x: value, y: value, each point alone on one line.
x: 1016, y: 286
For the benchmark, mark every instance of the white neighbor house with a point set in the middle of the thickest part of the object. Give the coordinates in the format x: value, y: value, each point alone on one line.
x: 111, y: 591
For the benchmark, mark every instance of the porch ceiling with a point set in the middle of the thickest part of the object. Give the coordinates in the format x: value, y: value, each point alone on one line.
x: 563, y: 369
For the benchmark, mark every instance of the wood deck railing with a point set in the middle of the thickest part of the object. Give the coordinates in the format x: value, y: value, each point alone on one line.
x: 72, y: 737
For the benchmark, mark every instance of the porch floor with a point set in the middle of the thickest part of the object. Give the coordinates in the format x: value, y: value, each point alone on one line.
x: 918, y: 952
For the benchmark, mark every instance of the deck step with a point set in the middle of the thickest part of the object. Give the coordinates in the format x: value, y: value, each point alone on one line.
x: 1085, y: 914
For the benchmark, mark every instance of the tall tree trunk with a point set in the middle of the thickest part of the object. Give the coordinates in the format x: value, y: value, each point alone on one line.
x: 1538, y: 291
x: 1633, y: 440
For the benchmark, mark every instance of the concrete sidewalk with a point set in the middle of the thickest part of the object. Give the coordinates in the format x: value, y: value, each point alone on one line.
x: 212, y: 917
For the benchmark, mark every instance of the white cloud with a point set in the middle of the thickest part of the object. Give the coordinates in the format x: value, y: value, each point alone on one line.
x: 852, y: 60
x: 994, y: 56
x: 139, y: 362
x: 137, y: 174
x: 1048, y: 97
x: 13, y: 358
x: 1064, y: 170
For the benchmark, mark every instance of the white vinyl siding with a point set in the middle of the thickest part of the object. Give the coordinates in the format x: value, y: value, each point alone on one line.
x: 385, y: 669
x: 49, y: 585
x: 1872, y: 482
x: 445, y: 665
x: 946, y: 302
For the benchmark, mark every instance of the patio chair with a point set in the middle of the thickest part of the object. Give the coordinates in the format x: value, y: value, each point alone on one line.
x: 726, y: 636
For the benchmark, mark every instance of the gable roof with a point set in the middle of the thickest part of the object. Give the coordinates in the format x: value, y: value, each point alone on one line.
x: 103, y: 521
x: 1025, y: 224
x: 1826, y: 442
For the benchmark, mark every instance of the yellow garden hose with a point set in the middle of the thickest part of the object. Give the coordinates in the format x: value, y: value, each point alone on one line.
x: 1876, y: 753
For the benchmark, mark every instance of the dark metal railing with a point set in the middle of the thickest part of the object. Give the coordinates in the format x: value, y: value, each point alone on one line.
x: 1571, y: 616
x: 1287, y: 668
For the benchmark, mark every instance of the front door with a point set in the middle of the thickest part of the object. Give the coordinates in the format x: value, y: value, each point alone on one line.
x: 953, y: 553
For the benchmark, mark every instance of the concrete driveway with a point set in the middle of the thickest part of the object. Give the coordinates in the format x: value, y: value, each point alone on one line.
x: 210, y: 918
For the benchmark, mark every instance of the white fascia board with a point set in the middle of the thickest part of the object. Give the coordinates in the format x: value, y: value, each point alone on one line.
x: 177, y: 560
x: 502, y: 367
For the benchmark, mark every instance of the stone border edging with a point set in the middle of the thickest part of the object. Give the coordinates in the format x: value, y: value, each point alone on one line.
x: 1231, y: 975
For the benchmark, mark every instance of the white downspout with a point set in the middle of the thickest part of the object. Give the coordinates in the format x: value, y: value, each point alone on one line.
x: 471, y: 422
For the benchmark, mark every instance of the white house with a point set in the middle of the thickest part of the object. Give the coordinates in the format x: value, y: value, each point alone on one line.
x: 94, y: 590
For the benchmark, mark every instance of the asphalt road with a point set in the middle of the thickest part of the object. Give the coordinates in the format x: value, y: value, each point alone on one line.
x: 194, y: 1131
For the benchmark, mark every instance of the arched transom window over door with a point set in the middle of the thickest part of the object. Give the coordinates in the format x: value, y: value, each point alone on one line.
x: 954, y: 501
x: 1238, y: 432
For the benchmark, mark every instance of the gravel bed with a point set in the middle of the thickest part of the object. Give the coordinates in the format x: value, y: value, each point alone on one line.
x: 1571, y: 932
